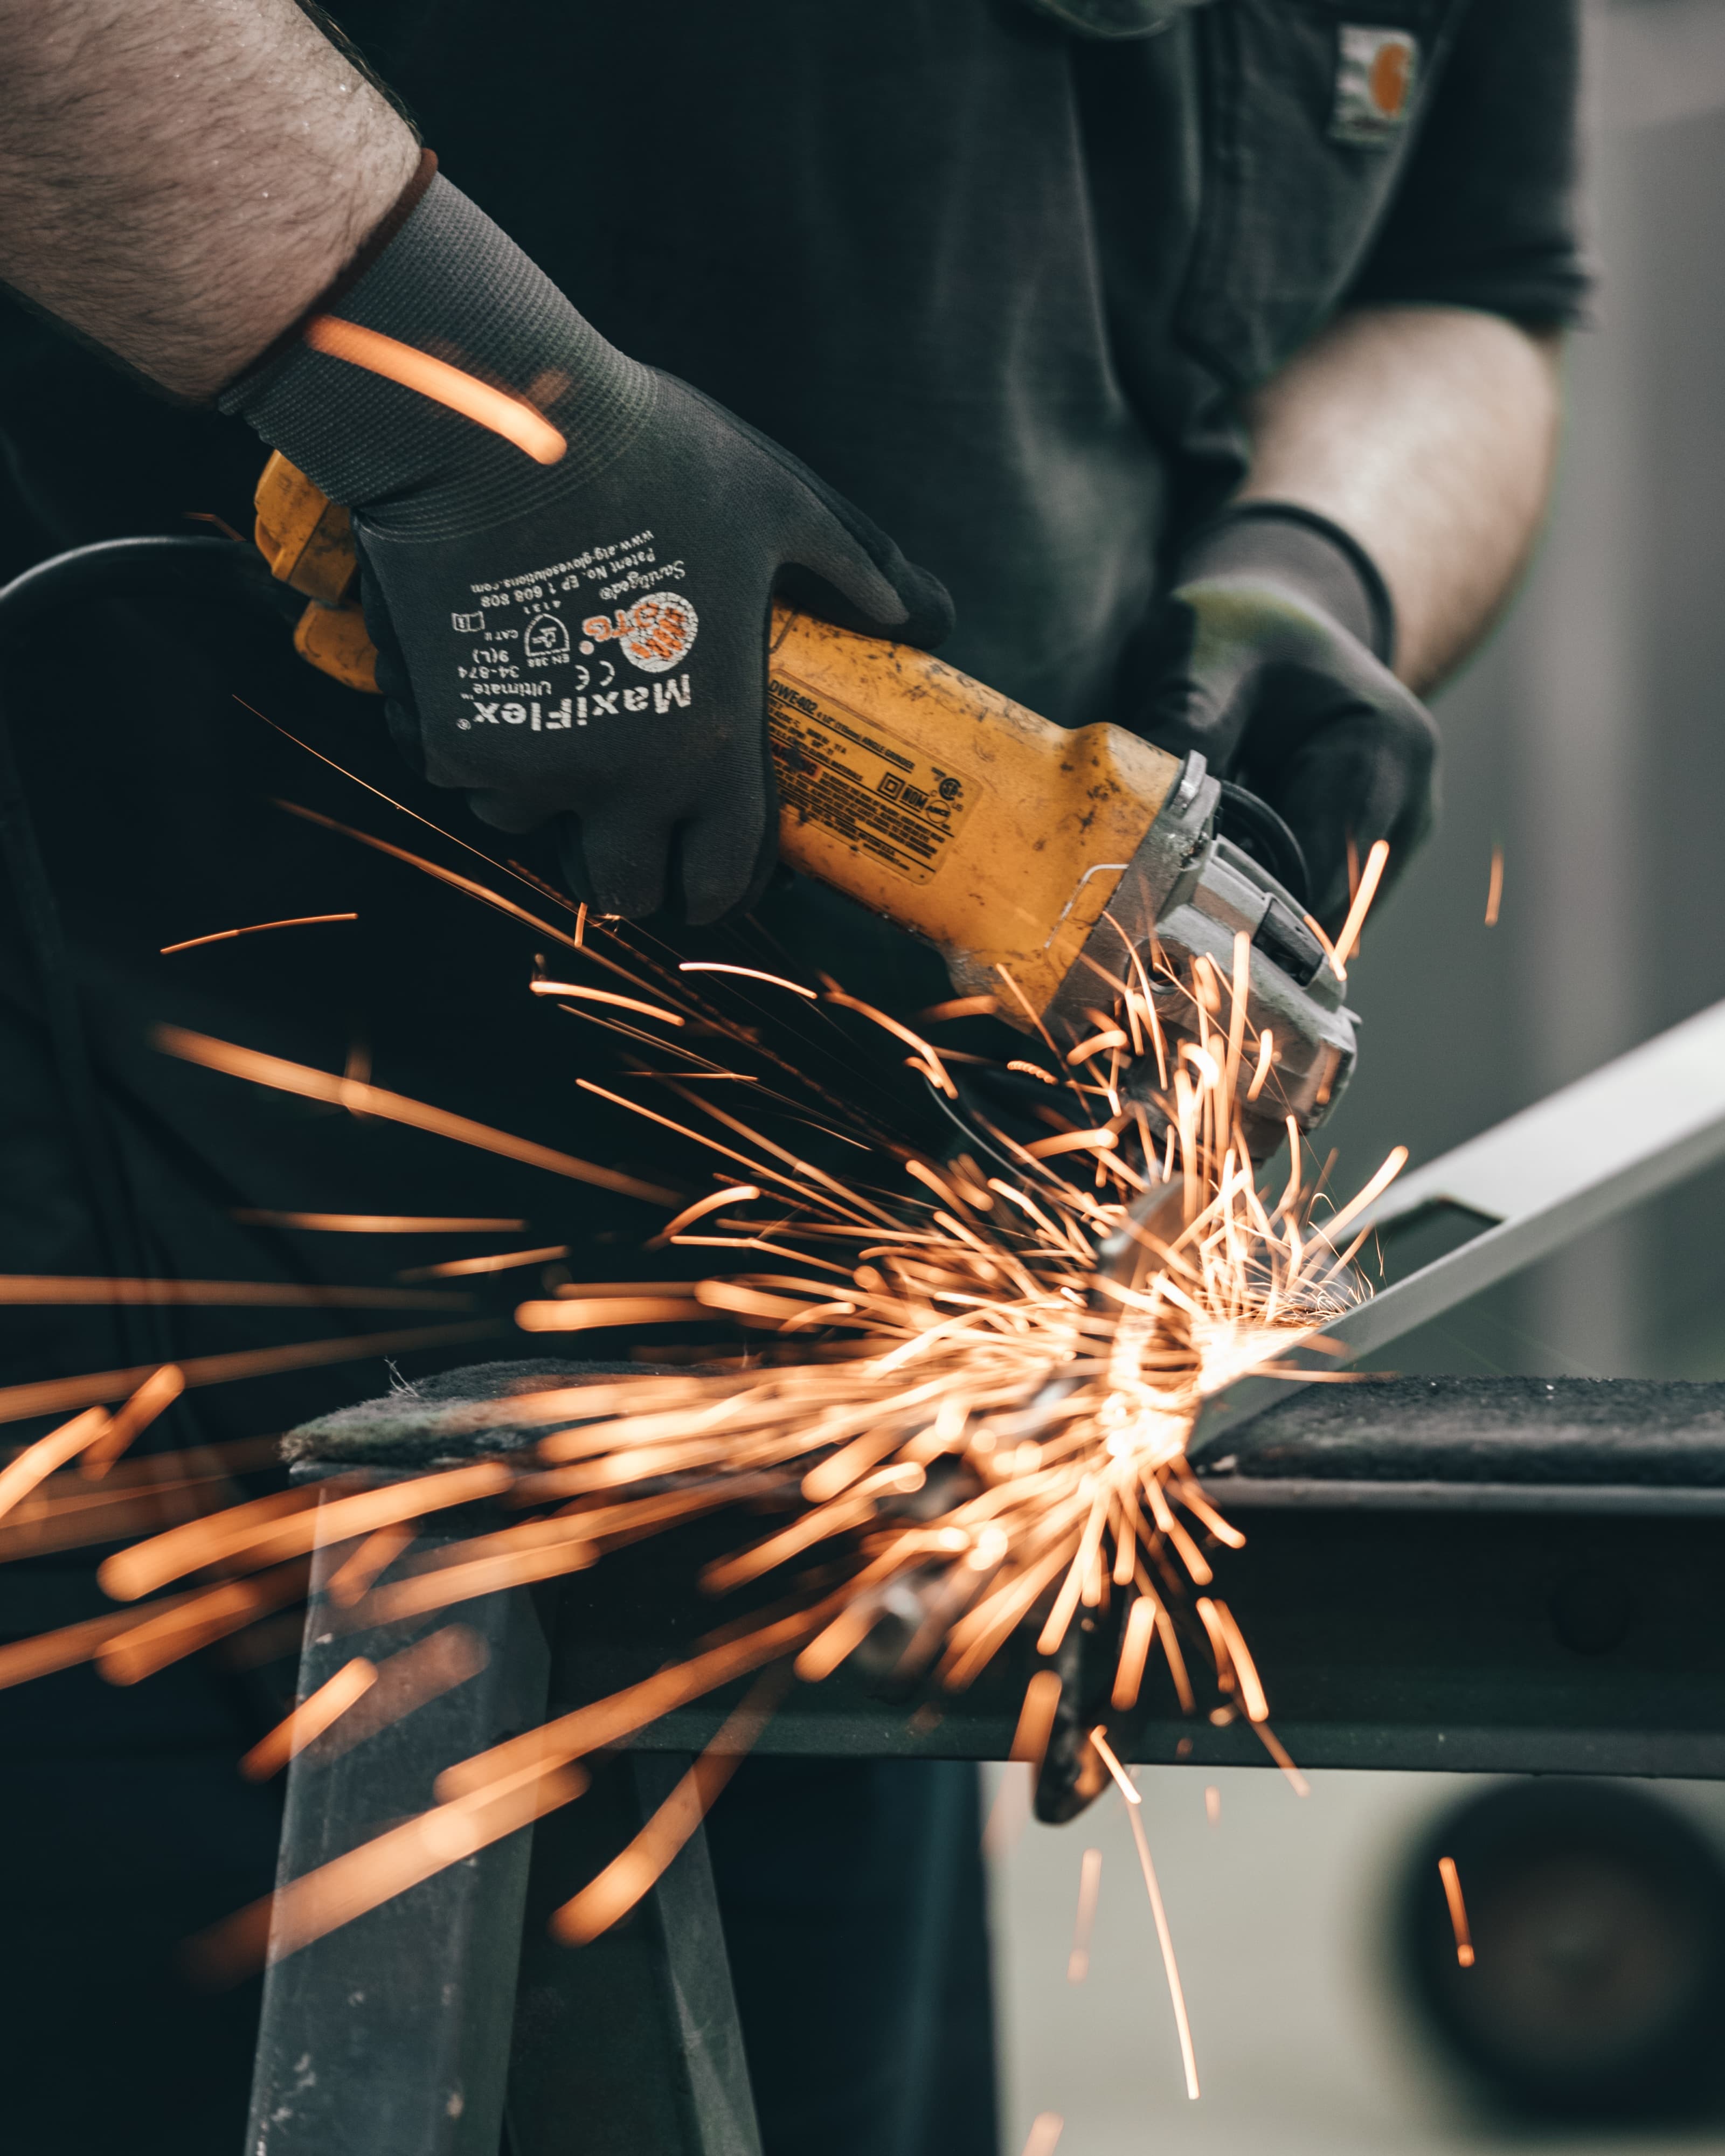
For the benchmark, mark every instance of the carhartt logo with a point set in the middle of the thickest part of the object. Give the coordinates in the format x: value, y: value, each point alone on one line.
x: 656, y: 632
x: 1375, y: 74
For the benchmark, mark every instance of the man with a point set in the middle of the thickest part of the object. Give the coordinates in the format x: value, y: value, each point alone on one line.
x: 1203, y: 349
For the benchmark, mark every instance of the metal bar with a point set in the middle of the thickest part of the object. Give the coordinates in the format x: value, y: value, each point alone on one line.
x: 1642, y: 1121
x: 1626, y: 1132
x: 630, y: 2043
x: 390, y: 2037
x: 1247, y: 1493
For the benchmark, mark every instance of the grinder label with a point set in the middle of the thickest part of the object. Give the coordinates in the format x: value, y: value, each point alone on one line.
x: 867, y: 786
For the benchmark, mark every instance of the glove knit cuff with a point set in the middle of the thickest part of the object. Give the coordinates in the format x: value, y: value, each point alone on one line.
x: 1302, y: 551
x: 448, y: 282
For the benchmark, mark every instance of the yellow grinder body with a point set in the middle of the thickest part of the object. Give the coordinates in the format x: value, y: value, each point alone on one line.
x: 1051, y: 867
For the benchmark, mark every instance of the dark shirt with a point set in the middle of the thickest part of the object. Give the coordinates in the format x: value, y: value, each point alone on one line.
x: 999, y: 281
x: 996, y: 282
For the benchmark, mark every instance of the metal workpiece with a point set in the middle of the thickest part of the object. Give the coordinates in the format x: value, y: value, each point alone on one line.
x: 1499, y: 1575
x: 1532, y: 1184
x: 1507, y: 1574
x: 1503, y: 1576
x: 390, y: 2036
x: 416, y: 2028
x: 630, y: 2043
x: 1625, y: 1131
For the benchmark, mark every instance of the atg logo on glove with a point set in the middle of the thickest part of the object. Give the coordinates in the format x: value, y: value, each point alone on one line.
x: 656, y: 633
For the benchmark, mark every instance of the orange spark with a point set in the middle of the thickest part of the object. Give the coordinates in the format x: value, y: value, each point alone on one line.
x: 930, y: 1054
x: 1090, y: 1883
x: 309, y: 1720
x: 38, y: 1461
x: 435, y: 379
x: 320, y: 1901
x: 1494, y: 890
x: 1007, y: 1814
x: 361, y: 1100
x: 1134, y: 1651
x: 1165, y: 1939
x: 257, y: 929
x: 1240, y: 992
x: 736, y: 1193
x: 1392, y: 1167
x: 543, y: 987
x: 1267, y: 1056
x: 1361, y: 905
x: 422, y: 1592
x: 23, y: 1660
x: 623, y: 1881
x: 1251, y: 1692
x: 261, y: 1537
x: 959, y: 1007
x: 48, y: 1395
x: 1101, y: 1141
x: 1224, y: 1531
x: 748, y: 972
x: 158, y: 1392
x: 1279, y: 1753
x: 458, y: 1268
x: 1045, y: 2129
x: 378, y: 1224
x: 1213, y: 1805
x: 465, y: 885
x: 407, y: 1680
x: 154, y: 1638
x: 597, y: 1314
x: 1113, y: 1037
x: 608, y: 1720
x: 1458, y: 1910
x: 1030, y: 1740
x: 373, y: 1558
x: 1106, y: 1753
x: 75, y: 1290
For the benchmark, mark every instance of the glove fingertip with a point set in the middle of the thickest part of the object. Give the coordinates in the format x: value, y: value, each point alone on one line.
x: 930, y: 616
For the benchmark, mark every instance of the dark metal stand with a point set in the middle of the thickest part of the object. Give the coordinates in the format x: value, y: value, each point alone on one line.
x: 417, y: 2029
x: 1508, y: 1576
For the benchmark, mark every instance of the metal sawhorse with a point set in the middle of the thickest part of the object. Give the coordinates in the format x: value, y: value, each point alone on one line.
x: 1490, y: 1576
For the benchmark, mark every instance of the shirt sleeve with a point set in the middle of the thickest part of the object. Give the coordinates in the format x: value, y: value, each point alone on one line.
x: 1487, y: 213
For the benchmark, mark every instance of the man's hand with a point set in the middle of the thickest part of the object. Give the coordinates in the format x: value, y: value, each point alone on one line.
x: 1262, y: 657
x: 1423, y: 439
x: 180, y: 178
x: 584, y: 638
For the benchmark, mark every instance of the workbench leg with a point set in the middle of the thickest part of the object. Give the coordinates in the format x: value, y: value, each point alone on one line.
x: 629, y: 2046
x: 390, y: 2037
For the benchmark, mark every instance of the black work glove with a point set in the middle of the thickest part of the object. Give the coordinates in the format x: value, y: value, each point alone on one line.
x: 1271, y: 654
x: 584, y: 638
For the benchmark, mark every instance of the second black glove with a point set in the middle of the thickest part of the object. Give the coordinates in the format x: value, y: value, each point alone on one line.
x: 1270, y: 655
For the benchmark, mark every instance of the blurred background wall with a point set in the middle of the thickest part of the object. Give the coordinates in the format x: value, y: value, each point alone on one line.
x: 1589, y: 740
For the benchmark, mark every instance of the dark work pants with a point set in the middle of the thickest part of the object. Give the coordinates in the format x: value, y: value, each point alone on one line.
x: 852, y: 1894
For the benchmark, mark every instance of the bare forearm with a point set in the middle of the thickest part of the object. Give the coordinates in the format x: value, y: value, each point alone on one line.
x: 1431, y: 435
x: 180, y: 178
